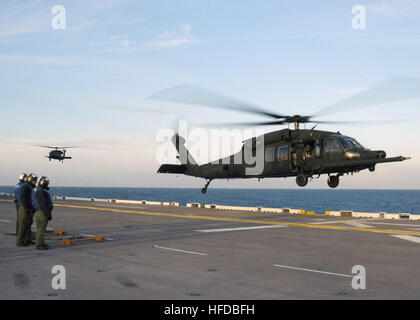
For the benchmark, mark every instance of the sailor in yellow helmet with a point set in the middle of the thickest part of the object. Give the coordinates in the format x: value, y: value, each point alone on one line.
x: 43, y: 213
x: 22, y: 180
x: 26, y: 211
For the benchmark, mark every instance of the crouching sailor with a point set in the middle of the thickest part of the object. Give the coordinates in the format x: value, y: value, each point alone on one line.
x: 43, y: 212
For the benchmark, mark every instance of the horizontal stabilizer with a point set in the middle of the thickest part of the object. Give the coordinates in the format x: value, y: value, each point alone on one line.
x: 172, y: 168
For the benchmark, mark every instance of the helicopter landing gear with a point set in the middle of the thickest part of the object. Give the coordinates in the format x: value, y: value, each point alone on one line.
x: 301, y: 180
x: 204, y: 190
x: 333, y: 181
x: 372, y: 168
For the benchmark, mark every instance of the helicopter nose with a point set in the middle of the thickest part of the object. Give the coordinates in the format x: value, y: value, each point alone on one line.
x: 380, y: 154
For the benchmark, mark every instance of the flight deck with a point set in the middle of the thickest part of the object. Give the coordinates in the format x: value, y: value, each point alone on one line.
x: 171, y: 252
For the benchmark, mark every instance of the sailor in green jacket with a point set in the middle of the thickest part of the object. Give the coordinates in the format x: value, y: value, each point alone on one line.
x: 43, y: 213
x: 26, y: 211
x: 22, y: 180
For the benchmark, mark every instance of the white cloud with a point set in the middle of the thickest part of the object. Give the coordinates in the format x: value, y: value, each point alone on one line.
x: 19, y: 18
x: 122, y: 40
x: 396, y: 8
x: 39, y: 60
x: 178, y: 38
x: 174, y: 39
x: 172, y: 43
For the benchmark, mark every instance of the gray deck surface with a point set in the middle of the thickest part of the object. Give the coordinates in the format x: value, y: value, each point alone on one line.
x: 158, y: 253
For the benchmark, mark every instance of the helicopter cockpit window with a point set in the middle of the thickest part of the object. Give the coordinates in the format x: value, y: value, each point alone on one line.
x: 350, y: 143
x: 283, y: 153
x: 346, y: 143
x: 332, y: 145
x: 270, y: 154
x: 355, y: 142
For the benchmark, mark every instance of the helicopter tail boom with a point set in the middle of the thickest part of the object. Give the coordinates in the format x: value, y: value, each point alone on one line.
x: 187, y: 161
x: 173, y: 168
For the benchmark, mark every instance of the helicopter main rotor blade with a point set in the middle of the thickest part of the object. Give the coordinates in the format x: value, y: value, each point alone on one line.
x: 243, y: 124
x: 56, y: 148
x: 357, y: 123
x: 191, y: 94
x: 395, y: 89
x: 270, y: 123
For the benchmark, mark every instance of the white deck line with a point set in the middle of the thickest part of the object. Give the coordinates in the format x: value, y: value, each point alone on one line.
x: 396, y: 224
x: 316, y: 271
x: 239, y: 229
x: 407, y: 237
x: 183, y: 251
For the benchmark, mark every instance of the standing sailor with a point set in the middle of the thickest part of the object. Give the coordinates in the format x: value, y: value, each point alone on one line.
x: 43, y: 214
x: 18, y: 187
x: 26, y: 211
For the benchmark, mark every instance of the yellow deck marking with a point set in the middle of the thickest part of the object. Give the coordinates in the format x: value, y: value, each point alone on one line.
x: 186, y: 216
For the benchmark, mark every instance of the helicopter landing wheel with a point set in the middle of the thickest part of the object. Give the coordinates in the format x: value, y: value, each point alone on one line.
x: 301, y: 180
x: 333, y: 181
x: 204, y: 190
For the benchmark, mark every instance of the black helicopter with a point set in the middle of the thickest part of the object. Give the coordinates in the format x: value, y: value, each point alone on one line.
x: 58, y: 153
x: 300, y: 153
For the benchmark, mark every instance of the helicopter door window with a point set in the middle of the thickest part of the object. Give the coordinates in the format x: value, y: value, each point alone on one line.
x: 283, y: 153
x: 317, y: 150
x: 270, y: 154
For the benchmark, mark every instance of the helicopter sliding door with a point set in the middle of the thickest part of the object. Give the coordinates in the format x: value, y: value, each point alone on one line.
x: 269, y: 161
x: 283, y: 159
x: 277, y: 160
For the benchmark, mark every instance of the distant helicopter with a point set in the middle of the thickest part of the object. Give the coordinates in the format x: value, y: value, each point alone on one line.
x: 300, y: 153
x: 58, y: 153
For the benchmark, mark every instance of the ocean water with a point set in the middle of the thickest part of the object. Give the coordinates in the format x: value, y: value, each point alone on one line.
x: 391, y: 201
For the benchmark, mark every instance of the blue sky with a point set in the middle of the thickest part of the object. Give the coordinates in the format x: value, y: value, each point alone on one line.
x: 66, y: 86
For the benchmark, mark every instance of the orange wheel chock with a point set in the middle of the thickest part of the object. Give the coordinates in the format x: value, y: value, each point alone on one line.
x: 68, y: 242
x: 72, y: 242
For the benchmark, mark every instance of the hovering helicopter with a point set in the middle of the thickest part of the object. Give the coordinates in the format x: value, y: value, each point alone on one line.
x: 58, y: 153
x: 301, y: 153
